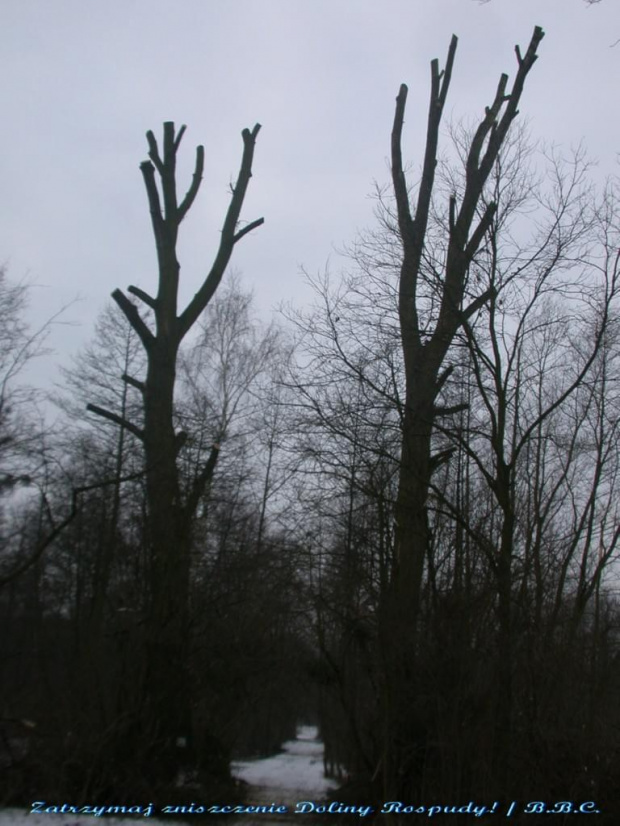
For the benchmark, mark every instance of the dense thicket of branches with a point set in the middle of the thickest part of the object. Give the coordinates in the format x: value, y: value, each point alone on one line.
x: 398, y: 519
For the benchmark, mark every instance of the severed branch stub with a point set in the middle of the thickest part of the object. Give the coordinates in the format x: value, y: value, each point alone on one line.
x: 145, y: 297
x: 119, y: 420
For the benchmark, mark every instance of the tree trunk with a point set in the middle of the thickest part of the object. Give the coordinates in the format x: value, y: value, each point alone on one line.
x: 165, y: 689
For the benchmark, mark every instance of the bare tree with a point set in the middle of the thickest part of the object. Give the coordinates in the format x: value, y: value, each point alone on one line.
x: 425, y: 347
x: 536, y: 358
x: 24, y: 450
x: 20, y: 433
x: 164, y: 722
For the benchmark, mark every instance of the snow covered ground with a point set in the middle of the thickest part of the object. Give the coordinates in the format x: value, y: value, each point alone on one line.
x: 295, y: 775
x: 298, y: 770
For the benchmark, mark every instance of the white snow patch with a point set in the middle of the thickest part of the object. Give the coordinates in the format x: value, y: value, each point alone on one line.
x: 299, y: 768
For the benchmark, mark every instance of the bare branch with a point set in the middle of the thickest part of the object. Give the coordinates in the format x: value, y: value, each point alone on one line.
x: 148, y: 173
x: 512, y: 100
x: 202, y: 480
x: 441, y: 457
x: 59, y: 528
x: 195, y: 185
x: 148, y: 300
x: 480, y: 231
x: 253, y: 225
x: 490, y: 116
x: 405, y: 221
x: 443, y: 377
x: 451, y: 410
x: 139, y: 385
x: 179, y: 137
x: 478, y: 303
x: 168, y: 179
x: 119, y: 420
x: 154, y: 151
x: 228, y: 238
x: 133, y: 317
x: 44, y: 544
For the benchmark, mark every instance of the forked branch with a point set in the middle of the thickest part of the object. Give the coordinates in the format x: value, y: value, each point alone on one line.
x: 229, y: 237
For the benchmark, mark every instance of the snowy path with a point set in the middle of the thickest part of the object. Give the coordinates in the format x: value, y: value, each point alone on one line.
x: 288, y: 778
x: 285, y: 780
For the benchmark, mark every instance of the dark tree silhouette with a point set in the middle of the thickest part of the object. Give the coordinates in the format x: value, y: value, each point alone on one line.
x: 424, y: 352
x: 164, y: 724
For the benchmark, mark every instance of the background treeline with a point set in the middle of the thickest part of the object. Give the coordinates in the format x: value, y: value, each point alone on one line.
x: 72, y: 620
x: 510, y: 670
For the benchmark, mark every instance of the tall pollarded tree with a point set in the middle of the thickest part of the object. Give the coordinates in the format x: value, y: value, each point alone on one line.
x: 434, y: 301
x: 164, y: 718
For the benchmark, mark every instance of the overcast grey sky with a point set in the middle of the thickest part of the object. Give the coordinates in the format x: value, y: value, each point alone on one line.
x: 82, y: 82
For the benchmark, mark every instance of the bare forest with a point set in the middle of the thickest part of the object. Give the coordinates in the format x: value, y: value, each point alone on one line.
x: 393, y: 513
